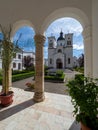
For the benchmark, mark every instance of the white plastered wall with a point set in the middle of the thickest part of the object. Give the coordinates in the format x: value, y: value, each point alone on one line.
x: 95, y: 37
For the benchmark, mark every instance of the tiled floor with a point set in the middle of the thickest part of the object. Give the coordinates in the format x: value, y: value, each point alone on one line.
x: 55, y: 113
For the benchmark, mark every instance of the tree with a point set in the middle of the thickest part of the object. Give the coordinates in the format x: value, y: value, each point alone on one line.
x: 81, y: 60
x: 28, y: 62
x: 7, y: 50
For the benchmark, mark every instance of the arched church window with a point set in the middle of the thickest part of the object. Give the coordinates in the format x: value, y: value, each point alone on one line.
x: 68, y: 60
x: 50, y: 61
x: 59, y: 51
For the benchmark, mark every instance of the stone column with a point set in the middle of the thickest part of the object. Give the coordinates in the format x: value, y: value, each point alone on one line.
x: 87, y: 35
x: 39, y: 69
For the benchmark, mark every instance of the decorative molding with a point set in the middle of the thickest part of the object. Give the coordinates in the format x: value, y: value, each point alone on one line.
x: 39, y: 39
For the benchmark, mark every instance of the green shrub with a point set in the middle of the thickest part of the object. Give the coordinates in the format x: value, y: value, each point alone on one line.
x: 55, y: 78
x: 79, y: 69
x: 84, y: 94
x: 59, y: 72
x: 14, y: 72
x: 22, y: 76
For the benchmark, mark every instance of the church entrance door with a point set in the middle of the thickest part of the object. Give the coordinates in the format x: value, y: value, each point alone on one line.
x: 59, y: 64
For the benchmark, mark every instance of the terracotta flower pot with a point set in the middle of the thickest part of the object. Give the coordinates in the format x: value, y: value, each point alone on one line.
x: 6, y: 100
x: 83, y: 127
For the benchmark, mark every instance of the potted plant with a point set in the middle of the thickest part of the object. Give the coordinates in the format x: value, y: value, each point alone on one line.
x: 7, y: 51
x: 30, y: 85
x: 84, y: 94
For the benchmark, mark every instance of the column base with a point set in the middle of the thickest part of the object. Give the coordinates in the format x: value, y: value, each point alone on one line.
x: 39, y: 96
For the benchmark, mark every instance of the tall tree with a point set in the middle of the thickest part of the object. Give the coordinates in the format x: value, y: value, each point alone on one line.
x: 81, y: 60
x: 28, y: 62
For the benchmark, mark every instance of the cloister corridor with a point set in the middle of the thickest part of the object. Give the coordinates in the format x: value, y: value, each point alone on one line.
x: 39, y: 110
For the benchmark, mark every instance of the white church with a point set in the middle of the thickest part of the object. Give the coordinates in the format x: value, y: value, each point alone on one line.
x: 60, y: 51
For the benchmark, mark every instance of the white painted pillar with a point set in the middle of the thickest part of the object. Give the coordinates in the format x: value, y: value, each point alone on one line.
x: 87, y: 35
x: 95, y: 37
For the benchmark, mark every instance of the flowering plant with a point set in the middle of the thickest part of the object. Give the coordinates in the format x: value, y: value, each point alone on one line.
x: 30, y: 85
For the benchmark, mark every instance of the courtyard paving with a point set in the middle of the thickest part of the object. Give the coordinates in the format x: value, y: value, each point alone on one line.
x: 55, y: 113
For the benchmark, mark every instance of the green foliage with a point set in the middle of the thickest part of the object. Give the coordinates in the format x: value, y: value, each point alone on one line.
x: 14, y: 72
x: 0, y: 80
x: 84, y: 93
x: 59, y: 72
x: 20, y: 76
x: 8, y: 50
x: 79, y: 69
x: 0, y: 72
x: 55, y: 78
x: 46, y: 70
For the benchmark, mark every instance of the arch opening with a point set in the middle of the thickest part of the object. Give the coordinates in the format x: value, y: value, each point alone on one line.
x: 69, y: 45
x: 23, y: 39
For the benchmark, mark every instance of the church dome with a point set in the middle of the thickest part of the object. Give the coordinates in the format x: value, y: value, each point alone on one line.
x: 60, y: 37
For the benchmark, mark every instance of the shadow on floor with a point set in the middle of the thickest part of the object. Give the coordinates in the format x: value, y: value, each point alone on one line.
x: 75, y: 126
x: 14, y: 109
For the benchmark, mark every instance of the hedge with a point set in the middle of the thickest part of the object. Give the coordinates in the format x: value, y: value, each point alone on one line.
x: 55, y: 78
x: 14, y: 72
x: 22, y: 76
x: 19, y: 76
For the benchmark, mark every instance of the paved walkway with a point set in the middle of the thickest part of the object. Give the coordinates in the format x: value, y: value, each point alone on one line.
x: 49, y: 86
x: 55, y: 113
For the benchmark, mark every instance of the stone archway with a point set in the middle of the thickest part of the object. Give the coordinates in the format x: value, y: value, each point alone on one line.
x: 21, y: 23
x: 80, y: 16
x: 40, y: 39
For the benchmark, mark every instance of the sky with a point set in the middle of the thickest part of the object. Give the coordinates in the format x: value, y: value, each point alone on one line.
x: 67, y: 25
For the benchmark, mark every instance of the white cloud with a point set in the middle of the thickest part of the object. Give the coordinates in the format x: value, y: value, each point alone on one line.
x: 78, y: 47
x: 67, y: 25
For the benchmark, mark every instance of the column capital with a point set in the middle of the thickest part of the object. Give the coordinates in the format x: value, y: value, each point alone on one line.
x: 39, y: 39
x: 87, y: 32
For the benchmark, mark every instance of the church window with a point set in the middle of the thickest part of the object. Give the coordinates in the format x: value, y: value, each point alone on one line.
x: 68, y: 42
x: 50, y: 44
x: 59, y: 51
x: 50, y: 61
x: 68, y: 60
x: 61, y: 44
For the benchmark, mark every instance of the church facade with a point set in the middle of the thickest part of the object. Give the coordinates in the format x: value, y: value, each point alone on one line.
x: 60, y: 51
